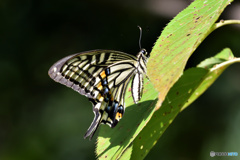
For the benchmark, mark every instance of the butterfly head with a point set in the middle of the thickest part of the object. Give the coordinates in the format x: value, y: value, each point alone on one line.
x: 143, y: 52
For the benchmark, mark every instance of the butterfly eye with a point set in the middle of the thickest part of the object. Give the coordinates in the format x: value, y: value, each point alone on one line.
x: 144, y: 52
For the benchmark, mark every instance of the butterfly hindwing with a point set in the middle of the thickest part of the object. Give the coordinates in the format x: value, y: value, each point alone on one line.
x: 110, y: 101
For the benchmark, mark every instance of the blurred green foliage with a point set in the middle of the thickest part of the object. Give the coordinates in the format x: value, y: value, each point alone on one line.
x: 40, y: 119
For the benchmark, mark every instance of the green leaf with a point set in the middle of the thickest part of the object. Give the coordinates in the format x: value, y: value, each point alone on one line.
x: 188, y: 88
x: 113, y: 142
x: 127, y: 153
x: 179, y: 40
x: 222, y: 61
x: 168, y: 59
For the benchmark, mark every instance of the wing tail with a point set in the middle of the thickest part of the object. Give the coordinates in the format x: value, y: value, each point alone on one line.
x: 95, y: 124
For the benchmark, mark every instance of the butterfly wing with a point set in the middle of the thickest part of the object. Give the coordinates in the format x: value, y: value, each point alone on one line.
x: 102, y: 76
x: 110, y: 101
x: 137, y: 86
x: 79, y: 71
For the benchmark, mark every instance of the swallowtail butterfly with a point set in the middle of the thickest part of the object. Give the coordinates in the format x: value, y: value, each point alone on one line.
x: 103, y: 76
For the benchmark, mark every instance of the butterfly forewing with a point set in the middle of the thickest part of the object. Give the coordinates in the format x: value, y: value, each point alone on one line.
x: 78, y: 71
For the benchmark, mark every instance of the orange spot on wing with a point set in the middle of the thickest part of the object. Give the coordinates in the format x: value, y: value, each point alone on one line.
x: 100, y: 98
x: 118, y: 116
x: 103, y: 74
x: 99, y: 86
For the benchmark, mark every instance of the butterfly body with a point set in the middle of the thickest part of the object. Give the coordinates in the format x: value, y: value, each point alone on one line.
x: 103, y: 76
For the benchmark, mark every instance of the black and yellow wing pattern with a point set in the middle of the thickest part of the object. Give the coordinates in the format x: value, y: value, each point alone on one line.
x: 103, y: 76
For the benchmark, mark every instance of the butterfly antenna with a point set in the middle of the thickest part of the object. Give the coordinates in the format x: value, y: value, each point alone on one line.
x: 140, y: 37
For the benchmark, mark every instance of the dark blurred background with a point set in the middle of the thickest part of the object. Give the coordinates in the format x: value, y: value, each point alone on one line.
x: 41, y: 119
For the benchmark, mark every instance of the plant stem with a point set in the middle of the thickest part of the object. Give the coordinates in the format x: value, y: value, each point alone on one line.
x: 225, y: 22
